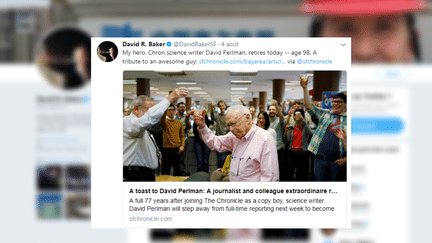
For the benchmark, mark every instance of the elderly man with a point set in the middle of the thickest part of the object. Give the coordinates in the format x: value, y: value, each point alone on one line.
x: 254, y: 155
x: 140, y: 153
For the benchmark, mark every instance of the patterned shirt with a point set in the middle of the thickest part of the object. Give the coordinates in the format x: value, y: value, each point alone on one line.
x: 325, y: 120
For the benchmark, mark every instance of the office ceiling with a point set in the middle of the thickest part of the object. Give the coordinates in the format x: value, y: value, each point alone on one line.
x: 217, y: 85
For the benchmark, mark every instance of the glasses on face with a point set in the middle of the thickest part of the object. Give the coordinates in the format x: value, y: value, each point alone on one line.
x: 337, y: 102
x: 170, y: 109
x: 233, y: 124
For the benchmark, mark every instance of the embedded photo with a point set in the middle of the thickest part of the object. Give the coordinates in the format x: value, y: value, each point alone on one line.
x: 235, y: 126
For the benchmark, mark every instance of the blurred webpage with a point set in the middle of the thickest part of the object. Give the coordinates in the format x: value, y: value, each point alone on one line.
x: 368, y: 227
x: 385, y: 136
x: 208, y: 204
x: 45, y: 150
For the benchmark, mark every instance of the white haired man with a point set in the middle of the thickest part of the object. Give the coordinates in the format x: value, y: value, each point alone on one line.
x: 254, y: 155
x: 140, y: 153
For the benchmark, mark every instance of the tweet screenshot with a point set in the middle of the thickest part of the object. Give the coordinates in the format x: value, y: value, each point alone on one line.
x: 221, y: 133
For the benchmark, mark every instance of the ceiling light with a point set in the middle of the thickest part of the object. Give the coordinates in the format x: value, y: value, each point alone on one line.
x: 185, y: 83
x: 200, y: 93
x: 171, y: 73
x: 131, y: 81
x: 239, y: 88
x: 194, y: 88
x: 243, y: 73
x: 241, y: 82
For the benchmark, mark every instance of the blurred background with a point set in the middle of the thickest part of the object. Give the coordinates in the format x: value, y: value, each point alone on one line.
x: 45, y: 145
x: 23, y: 23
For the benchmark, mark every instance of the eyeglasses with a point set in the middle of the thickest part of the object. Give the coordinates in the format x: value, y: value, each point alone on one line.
x: 233, y: 124
x: 337, y: 101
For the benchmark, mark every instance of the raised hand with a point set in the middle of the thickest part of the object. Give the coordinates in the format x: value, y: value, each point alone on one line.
x: 177, y: 93
x: 199, y: 118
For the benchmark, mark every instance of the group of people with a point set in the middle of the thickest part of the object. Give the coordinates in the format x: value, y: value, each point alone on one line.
x: 266, y: 147
x: 278, y: 147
